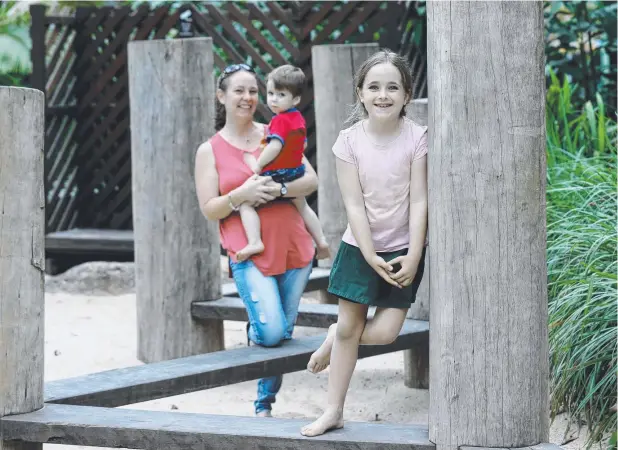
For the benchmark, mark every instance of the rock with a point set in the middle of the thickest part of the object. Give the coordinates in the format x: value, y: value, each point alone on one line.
x: 104, y: 278
x: 94, y: 278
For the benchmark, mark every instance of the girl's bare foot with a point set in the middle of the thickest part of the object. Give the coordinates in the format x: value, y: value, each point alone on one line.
x: 332, y: 419
x: 264, y: 413
x: 249, y: 250
x: 320, y: 359
x: 323, y: 251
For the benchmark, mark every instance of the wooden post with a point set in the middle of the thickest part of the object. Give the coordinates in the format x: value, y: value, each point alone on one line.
x: 22, y: 254
x: 489, y: 345
x: 176, y: 249
x: 334, y: 67
x: 416, y: 359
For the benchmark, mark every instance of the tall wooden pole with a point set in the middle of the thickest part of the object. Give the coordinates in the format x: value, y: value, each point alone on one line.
x: 22, y: 254
x: 416, y: 359
x: 177, y: 252
x: 334, y: 67
x: 488, y: 319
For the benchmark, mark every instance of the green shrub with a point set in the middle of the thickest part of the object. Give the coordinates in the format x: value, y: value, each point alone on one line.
x: 580, y: 43
x: 581, y: 259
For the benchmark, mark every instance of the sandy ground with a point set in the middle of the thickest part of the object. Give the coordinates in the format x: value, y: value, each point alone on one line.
x: 88, y: 333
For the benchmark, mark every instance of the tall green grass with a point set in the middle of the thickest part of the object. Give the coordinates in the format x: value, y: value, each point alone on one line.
x: 581, y: 258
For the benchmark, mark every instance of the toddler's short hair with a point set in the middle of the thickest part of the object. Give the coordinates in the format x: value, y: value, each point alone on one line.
x: 288, y: 77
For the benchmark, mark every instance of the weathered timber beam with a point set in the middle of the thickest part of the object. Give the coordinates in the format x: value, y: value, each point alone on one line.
x: 126, y: 428
x: 232, y: 308
x: 194, y: 373
x: 317, y: 280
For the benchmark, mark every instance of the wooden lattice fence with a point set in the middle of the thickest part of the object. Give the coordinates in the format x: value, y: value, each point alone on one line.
x: 84, y: 74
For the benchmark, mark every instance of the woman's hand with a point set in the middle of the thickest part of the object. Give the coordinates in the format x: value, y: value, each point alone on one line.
x: 256, y: 191
x: 383, y: 268
x: 409, y: 266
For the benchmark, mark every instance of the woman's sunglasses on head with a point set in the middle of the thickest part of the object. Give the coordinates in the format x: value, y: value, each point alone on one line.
x: 236, y: 67
x: 233, y: 68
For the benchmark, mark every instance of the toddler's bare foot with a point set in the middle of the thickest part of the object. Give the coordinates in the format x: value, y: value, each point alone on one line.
x: 264, y: 413
x: 320, y: 359
x: 332, y: 419
x: 323, y: 251
x: 249, y: 251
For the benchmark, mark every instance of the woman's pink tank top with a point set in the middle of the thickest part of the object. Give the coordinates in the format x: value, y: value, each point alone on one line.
x: 288, y: 244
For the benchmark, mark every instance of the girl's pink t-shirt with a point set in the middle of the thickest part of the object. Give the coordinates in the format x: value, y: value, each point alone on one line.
x: 384, y: 172
x: 288, y: 244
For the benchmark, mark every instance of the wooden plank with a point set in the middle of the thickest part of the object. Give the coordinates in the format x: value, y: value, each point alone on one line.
x: 236, y: 37
x: 316, y: 18
x: 61, y: 48
x: 127, y: 428
x: 232, y: 308
x: 62, y: 204
x: 256, y: 34
x: 170, y: 22
x: 257, y: 14
x: 59, y: 20
x: 317, y: 280
x: 117, y: 47
x: 195, y: 373
x: 91, y: 48
x: 283, y: 17
x: 60, y: 91
x: 542, y: 446
x: 115, y: 142
x: 120, y: 177
x: 90, y: 241
x: 63, y: 110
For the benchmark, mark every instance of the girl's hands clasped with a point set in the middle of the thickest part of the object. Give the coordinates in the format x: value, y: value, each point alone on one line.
x: 403, y: 277
x: 409, y: 266
x: 383, y: 269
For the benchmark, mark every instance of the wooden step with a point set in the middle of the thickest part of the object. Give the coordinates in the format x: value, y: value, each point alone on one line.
x: 194, y: 373
x: 127, y: 428
x: 86, y: 240
x: 232, y: 308
x: 317, y: 280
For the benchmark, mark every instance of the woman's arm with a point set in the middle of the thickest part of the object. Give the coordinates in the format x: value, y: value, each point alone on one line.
x: 214, y: 206
x: 303, y: 186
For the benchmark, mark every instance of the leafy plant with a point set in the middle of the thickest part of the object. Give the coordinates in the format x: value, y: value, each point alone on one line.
x: 15, y: 62
x: 581, y: 44
x: 582, y: 260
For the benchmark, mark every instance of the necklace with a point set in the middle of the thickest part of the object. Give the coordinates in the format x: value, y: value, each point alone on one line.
x: 241, y: 140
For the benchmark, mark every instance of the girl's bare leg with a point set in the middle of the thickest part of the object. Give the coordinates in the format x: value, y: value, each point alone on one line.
x: 352, y: 317
x: 382, y: 329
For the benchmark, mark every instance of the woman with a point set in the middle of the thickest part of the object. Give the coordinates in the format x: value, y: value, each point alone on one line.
x: 271, y: 283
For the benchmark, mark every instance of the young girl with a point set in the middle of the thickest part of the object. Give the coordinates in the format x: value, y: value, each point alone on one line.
x: 382, y: 174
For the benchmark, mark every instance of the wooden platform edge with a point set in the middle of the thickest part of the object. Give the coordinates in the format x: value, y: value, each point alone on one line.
x: 194, y: 373
x: 317, y: 280
x: 232, y: 308
x: 541, y: 446
x: 138, y: 429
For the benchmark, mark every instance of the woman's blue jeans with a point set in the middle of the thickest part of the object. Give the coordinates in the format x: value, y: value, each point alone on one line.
x: 272, y: 307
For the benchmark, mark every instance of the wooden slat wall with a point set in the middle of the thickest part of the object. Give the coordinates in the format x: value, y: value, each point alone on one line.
x: 88, y: 152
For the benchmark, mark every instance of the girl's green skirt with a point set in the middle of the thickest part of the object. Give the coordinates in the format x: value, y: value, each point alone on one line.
x: 353, y: 279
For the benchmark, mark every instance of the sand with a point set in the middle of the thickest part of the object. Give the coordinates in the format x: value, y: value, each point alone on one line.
x: 86, y: 333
